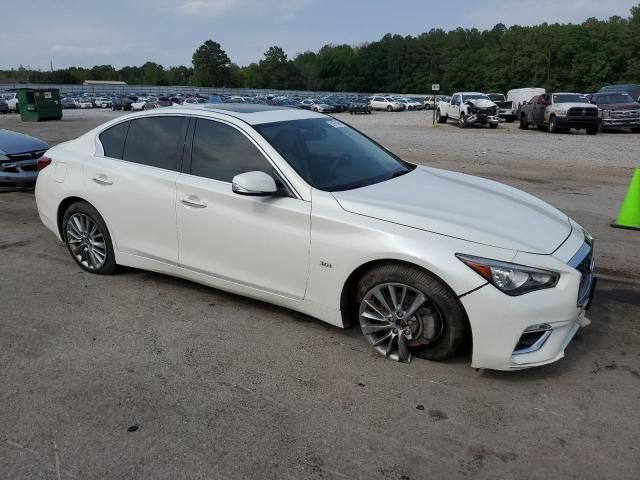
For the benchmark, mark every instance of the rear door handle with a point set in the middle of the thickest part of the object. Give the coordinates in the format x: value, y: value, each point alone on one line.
x: 193, y: 201
x: 102, y: 180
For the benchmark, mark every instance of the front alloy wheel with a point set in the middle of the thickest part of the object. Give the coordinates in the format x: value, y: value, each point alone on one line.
x: 404, y: 310
x: 395, y: 316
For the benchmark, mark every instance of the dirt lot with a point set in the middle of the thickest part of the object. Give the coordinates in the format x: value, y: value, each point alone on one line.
x: 222, y: 387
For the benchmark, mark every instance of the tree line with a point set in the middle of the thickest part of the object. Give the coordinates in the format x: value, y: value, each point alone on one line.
x: 570, y: 57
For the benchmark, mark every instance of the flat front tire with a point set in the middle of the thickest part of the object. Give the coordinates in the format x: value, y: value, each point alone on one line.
x: 88, y: 239
x: 404, y: 310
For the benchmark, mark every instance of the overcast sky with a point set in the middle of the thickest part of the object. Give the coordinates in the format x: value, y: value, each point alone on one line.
x: 131, y: 32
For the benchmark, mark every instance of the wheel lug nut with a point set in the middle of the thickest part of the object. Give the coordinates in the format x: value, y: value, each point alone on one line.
x: 395, y: 330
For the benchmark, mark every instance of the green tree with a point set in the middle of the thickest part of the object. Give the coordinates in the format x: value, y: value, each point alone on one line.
x: 210, y: 65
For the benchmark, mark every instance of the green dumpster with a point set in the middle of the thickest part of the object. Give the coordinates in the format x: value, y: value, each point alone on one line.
x: 39, y: 104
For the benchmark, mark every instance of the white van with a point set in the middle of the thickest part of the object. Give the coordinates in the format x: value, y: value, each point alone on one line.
x: 522, y: 95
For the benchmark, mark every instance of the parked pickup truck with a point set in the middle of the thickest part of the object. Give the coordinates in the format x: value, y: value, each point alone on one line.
x: 617, y: 110
x: 12, y: 102
x: 505, y: 107
x: 468, y: 108
x: 560, y: 112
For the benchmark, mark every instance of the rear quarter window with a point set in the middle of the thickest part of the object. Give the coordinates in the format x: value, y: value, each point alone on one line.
x: 112, y: 140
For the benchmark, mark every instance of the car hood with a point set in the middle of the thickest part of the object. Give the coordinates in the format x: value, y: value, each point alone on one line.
x: 619, y: 106
x: 462, y: 206
x: 482, y: 103
x: 12, y: 143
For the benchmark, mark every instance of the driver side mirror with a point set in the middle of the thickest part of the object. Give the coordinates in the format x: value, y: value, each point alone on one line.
x: 256, y: 184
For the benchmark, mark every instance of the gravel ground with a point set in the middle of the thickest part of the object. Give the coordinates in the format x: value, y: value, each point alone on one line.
x: 222, y: 387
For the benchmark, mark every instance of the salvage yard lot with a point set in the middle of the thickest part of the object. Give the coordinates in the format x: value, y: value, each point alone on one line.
x: 225, y: 387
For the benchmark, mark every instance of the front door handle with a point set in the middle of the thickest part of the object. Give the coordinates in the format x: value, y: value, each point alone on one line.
x: 102, y: 179
x: 193, y: 201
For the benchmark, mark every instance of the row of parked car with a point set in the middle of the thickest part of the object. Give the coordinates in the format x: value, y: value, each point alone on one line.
x: 613, y: 107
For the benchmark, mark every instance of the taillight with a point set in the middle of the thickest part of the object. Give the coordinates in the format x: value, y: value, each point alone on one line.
x: 42, y: 163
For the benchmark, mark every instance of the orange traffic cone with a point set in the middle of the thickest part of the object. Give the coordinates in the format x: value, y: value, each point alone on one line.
x: 629, y: 215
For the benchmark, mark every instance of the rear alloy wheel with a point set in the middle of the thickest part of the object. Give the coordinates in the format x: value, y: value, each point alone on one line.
x: 403, y: 310
x: 88, y: 239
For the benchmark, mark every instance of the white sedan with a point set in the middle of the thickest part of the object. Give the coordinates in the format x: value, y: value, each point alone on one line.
x: 295, y: 208
x: 84, y: 102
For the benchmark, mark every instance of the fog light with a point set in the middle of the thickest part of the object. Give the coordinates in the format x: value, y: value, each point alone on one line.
x: 533, y: 338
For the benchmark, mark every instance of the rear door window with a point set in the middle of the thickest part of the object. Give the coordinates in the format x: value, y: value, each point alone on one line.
x: 156, y: 141
x: 112, y: 140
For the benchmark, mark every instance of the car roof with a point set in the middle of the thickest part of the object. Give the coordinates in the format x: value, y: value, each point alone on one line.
x: 253, y: 114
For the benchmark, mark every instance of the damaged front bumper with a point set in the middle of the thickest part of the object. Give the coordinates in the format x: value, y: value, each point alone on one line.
x: 18, y: 175
x: 481, y: 119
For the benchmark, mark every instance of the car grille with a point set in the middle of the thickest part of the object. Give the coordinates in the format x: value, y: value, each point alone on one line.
x: 18, y: 157
x: 583, y: 262
x: 624, y: 114
x: 583, y: 112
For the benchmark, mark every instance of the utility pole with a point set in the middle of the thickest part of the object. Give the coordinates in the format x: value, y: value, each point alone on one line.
x: 51, y: 63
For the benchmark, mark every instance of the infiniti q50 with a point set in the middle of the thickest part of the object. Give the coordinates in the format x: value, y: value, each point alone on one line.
x: 295, y: 208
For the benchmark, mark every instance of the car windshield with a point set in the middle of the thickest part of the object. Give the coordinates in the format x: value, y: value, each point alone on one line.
x: 479, y: 96
x: 330, y: 155
x: 612, y: 98
x: 569, y: 98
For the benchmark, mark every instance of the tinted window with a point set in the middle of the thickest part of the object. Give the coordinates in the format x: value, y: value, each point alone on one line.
x: 330, y: 155
x: 113, y: 139
x: 221, y: 152
x: 156, y: 141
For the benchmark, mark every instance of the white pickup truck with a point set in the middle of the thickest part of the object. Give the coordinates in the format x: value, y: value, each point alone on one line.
x: 468, y: 108
x: 12, y: 101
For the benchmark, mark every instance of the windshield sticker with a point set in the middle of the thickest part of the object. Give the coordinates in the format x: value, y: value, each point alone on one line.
x: 335, y: 124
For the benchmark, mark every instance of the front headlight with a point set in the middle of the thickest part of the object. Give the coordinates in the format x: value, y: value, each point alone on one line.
x: 3, y: 158
x: 606, y: 113
x: 562, y: 112
x: 510, y: 278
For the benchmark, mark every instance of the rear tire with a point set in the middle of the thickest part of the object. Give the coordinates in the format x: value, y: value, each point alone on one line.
x: 493, y: 125
x: 438, y: 327
x: 440, y: 118
x: 592, y: 130
x: 88, y: 240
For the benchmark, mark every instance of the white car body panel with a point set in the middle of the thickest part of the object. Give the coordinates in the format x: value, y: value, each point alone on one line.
x: 462, y: 206
x: 299, y: 251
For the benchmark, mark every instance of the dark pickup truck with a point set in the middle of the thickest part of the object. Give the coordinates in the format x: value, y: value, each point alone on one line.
x: 560, y: 112
x: 617, y: 110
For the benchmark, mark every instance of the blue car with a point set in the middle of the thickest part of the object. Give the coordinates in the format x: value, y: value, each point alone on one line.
x: 19, y: 155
